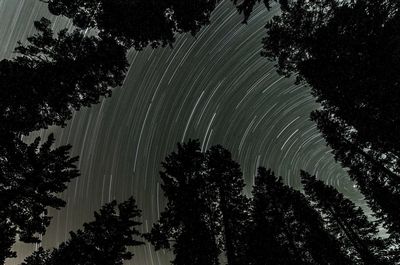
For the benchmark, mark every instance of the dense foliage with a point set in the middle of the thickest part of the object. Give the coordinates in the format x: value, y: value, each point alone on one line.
x: 102, y: 241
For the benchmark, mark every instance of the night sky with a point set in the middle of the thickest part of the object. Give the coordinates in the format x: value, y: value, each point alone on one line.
x: 215, y: 87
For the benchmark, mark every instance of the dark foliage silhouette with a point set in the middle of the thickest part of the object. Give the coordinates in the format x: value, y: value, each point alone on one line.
x: 137, y: 23
x: 226, y: 183
x: 142, y: 23
x: 268, y: 240
x: 102, y: 241
x: 347, y: 51
x: 206, y: 204
x: 358, y: 236
x: 185, y: 225
x: 42, y: 84
x: 379, y: 183
x: 286, y: 229
x: 246, y: 7
x: 52, y: 76
x: 32, y: 176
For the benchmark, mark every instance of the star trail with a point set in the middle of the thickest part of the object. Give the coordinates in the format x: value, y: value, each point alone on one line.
x: 215, y: 87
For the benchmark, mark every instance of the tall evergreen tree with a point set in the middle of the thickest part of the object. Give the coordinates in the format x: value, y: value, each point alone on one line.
x: 102, y: 241
x: 226, y: 185
x: 377, y: 182
x: 52, y: 76
x: 347, y: 51
x: 287, y: 229
x: 357, y: 234
x: 268, y: 240
x: 185, y: 225
x: 31, y: 177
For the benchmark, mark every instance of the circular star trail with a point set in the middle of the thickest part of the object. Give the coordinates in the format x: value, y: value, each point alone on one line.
x: 215, y: 87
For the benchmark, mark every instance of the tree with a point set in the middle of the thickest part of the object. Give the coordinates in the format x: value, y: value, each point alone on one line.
x: 246, y: 7
x: 377, y: 182
x: 137, y: 23
x: 226, y: 185
x: 347, y: 51
x: 268, y: 238
x: 142, y: 23
x: 286, y: 229
x: 357, y: 234
x: 102, y: 241
x: 31, y: 177
x: 185, y: 224
x: 50, y: 77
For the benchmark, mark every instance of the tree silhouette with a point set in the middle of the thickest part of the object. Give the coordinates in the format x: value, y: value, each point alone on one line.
x: 137, y: 23
x: 31, y: 177
x: 102, y: 241
x: 141, y: 23
x: 226, y: 186
x: 286, y: 229
x: 184, y: 225
x: 347, y: 51
x: 357, y: 234
x: 268, y: 239
x: 246, y: 7
x: 377, y: 182
x: 52, y: 76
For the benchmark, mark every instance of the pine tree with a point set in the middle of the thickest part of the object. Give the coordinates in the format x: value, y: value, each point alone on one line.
x: 348, y: 52
x: 39, y: 257
x: 52, y: 76
x: 293, y: 231
x: 357, y: 234
x: 102, y: 241
x: 371, y: 171
x: 226, y: 184
x: 268, y: 240
x: 31, y: 177
x: 137, y: 23
x: 185, y: 225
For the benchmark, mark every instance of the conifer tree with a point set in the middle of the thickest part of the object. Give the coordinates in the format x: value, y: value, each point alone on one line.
x: 31, y: 178
x: 52, y: 76
x: 347, y: 52
x: 186, y: 223
x: 268, y: 240
x: 144, y: 22
x: 226, y: 184
x: 102, y: 241
x: 371, y: 171
x: 357, y: 234
x: 137, y: 23
x: 284, y: 220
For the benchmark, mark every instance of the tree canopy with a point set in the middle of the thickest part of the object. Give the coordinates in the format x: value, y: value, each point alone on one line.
x: 347, y: 51
x: 32, y: 176
x: 137, y: 23
x: 186, y: 221
x: 52, y: 76
x: 102, y: 241
x: 358, y: 235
